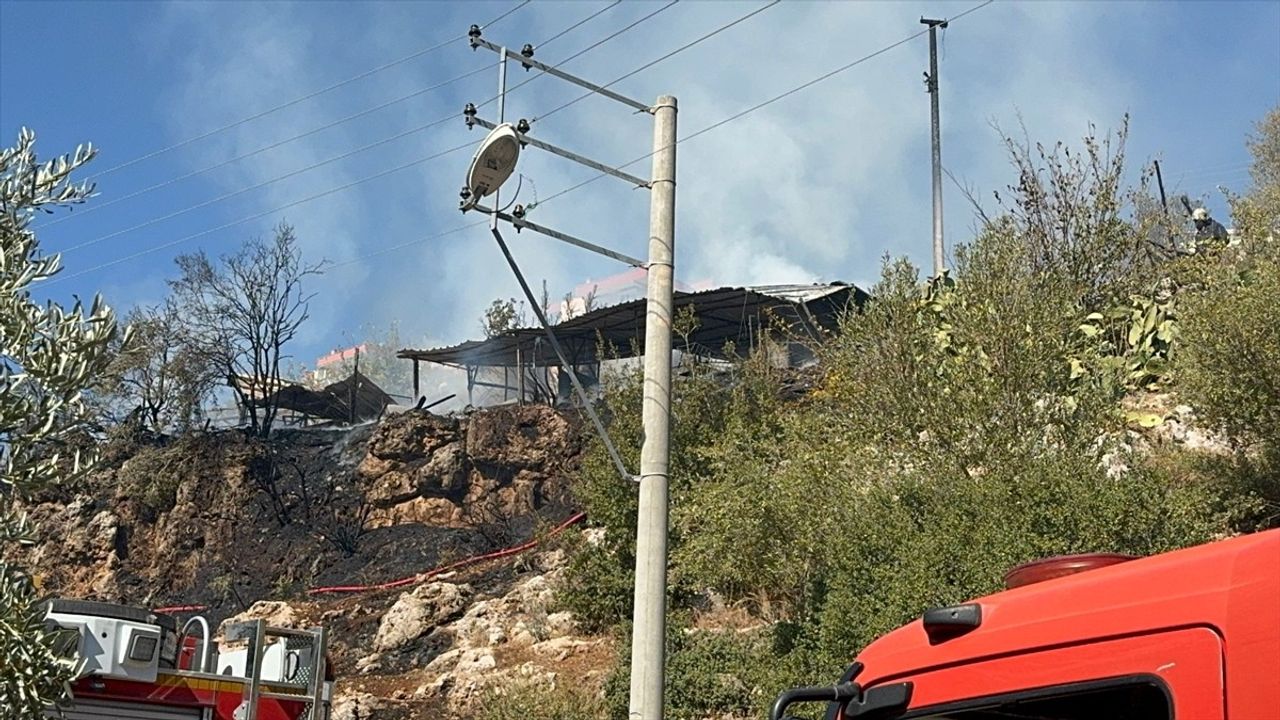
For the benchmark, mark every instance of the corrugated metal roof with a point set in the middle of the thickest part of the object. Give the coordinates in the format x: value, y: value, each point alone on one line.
x: 727, y: 314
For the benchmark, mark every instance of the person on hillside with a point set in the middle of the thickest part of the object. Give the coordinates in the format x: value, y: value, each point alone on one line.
x: 1208, y: 230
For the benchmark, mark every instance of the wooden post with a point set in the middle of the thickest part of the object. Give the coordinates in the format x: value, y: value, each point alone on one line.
x: 416, y: 392
x: 519, y: 376
x: 471, y: 383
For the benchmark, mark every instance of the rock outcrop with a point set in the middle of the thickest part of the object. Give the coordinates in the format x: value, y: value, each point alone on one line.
x: 458, y: 643
x: 487, y: 467
x: 247, y: 527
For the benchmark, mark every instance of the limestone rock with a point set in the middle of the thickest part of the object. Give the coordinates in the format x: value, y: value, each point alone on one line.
x: 411, y: 436
x: 360, y: 706
x: 276, y: 613
x: 419, y: 611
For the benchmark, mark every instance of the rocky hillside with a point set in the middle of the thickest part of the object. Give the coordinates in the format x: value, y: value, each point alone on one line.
x: 250, y: 529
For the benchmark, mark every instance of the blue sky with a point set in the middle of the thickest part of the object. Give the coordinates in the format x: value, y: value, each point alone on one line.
x: 816, y: 187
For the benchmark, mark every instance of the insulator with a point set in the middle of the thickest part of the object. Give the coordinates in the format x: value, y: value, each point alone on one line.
x: 466, y: 193
x: 518, y: 212
x: 527, y: 51
x: 522, y: 127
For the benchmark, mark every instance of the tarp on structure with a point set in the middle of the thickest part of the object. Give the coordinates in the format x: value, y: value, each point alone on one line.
x: 737, y: 315
x: 333, y: 402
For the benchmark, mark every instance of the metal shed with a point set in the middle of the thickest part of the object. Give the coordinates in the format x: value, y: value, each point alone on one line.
x: 737, y: 315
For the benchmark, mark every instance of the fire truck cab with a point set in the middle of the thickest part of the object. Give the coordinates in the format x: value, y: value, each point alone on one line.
x: 1190, y: 634
x: 138, y: 665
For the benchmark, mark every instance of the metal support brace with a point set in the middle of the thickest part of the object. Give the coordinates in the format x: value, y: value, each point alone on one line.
x: 477, y: 41
x: 519, y: 223
x: 564, y: 362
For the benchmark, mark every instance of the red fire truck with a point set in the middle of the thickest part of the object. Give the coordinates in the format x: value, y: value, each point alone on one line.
x: 1191, y: 634
x: 139, y: 666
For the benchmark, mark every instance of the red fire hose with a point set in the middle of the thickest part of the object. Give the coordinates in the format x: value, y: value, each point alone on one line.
x: 514, y: 550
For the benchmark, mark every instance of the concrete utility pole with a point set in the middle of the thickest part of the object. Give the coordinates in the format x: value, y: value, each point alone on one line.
x: 648, y: 647
x: 931, y: 82
x: 648, y: 634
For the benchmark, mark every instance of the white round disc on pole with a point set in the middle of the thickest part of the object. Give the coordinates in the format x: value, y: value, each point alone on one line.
x: 494, y: 161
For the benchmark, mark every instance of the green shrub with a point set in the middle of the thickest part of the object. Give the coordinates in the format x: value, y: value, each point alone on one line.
x: 531, y: 701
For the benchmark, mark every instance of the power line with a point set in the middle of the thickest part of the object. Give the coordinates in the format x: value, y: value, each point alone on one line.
x: 326, y: 126
x: 311, y: 167
x: 304, y: 98
x: 578, y: 24
x: 588, y: 48
x: 258, y: 186
x: 770, y: 101
x: 650, y: 64
x: 265, y: 148
x: 566, y: 191
x: 1218, y: 167
x: 711, y: 127
x: 349, y: 153
x: 410, y: 243
x: 256, y: 216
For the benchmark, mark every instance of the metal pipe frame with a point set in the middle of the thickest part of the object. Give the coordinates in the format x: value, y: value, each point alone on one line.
x: 568, y: 155
x: 551, y: 70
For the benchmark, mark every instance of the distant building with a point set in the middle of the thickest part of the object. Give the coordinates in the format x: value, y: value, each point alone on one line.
x: 334, y: 366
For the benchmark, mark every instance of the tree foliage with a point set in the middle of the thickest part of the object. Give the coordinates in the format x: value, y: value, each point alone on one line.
x: 1257, y: 214
x: 157, y: 381
x: 240, y: 313
x: 48, y: 357
x: 1229, y: 360
x: 501, y: 316
x: 378, y: 361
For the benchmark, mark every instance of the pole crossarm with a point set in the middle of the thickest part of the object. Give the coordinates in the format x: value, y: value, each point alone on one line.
x: 520, y: 223
x: 551, y: 70
x: 566, y: 154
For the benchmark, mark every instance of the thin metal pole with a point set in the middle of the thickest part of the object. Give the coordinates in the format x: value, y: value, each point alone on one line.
x: 564, y: 362
x: 502, y: 115
x: 648, y: 639
x: 939, y: 263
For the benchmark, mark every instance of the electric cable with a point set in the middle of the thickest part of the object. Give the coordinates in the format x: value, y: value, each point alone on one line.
x: 770, y: 101
x: 586, y: 49
x: 349, y: 153
x: 409, y: 243
x: 255, y: 216
x: 565, y: 191
x: 271, y: 146
x: 326, y: 126
x: 304, y: 98
x: 703, y: 131
x: 651, y: 63
x: 578, y: 24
